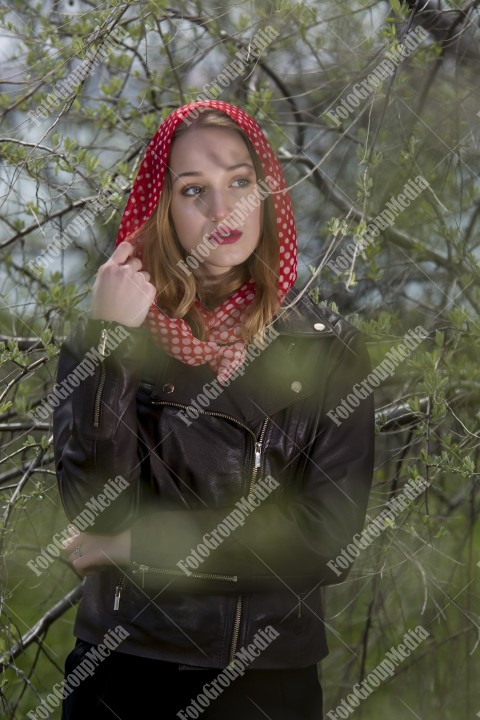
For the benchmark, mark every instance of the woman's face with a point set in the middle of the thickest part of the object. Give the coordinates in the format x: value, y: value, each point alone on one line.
x: 211, y: 171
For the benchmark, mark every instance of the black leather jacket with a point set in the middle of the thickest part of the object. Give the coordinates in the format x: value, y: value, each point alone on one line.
x: 184, y: 480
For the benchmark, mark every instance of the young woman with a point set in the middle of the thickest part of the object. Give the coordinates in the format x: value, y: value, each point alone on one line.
x: 205, y: 443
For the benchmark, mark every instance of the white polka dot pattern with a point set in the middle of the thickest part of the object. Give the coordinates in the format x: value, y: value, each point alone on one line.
x: 222, y: 350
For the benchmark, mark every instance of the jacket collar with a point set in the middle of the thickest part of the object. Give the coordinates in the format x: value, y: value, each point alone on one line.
x: 272, y: 381
x: 300, y: 316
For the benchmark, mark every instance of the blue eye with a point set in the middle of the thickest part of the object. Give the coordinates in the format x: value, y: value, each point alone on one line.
x: 244, y: 182
x: 192, y: 190
x: 195, y: 190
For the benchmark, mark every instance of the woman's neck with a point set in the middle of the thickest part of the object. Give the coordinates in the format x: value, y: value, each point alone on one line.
x: 214, y: 290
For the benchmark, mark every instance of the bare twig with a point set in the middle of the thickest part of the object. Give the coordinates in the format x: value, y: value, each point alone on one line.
x: 41, y: 626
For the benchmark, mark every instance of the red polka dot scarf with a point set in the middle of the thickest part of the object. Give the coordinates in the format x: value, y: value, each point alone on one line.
x: 222, y: 349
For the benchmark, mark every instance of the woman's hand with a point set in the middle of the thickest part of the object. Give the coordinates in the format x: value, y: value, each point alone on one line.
x: 122, y: 291
x: 88, y: 552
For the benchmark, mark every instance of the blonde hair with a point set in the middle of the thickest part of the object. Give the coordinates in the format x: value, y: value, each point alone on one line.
x: 162, y: 253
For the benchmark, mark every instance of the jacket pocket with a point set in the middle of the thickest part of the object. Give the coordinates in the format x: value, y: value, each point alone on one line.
x: 142, y: 571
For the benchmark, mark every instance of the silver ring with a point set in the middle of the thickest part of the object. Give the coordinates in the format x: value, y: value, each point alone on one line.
x: 78, y: 551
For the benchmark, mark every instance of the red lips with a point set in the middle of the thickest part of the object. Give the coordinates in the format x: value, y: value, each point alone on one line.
x: 225, y: 236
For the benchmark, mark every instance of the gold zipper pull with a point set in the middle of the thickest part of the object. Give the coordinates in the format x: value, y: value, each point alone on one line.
x: 258, y: 452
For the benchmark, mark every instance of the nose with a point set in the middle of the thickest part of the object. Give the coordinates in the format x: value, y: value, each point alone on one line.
x: 219, y: 205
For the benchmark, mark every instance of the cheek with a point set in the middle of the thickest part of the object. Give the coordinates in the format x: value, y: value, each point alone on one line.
x: 180, y: 219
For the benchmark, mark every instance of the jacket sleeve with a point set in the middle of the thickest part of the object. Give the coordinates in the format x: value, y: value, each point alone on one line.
x: 94, y: 424
x: 289, y: 539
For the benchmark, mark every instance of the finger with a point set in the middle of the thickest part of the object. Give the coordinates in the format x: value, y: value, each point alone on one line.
x: 80, y: 561
x: 68, y: 543
x: 90, y: 560
x: 73, y: 540
x: 146, y: 275
x: 69, y: 546
x: 134, y: 263
x: 149, y: 292
x: 83, y: 567
x: 122, y: 252
x: 152, y: 294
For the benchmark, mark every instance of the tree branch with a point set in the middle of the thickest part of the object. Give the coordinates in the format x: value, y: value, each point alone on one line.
x: 41, y: 626
x: 404, y: 241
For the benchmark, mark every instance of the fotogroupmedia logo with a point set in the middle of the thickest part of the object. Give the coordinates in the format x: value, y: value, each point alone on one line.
x: 383, y: 671
x: 210, y: 691
x: 361, y: 541
x: 384, y: 70
x: 86, y: 668
x: 384, y: 369
x: 85, y: 218
x: 236, y: 518
x: 237, y: 217
x: 64, y: 89
x: 212, y: 90
x: 85, y: 519
x: 85, y: 368
x: 384, y: 220
x: 212, y: 390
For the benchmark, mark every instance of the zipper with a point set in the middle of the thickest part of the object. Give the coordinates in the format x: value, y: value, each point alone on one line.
x: 236, y: 628
x: 118, y: 592
x: 300, y: 600
x: 257, y: 443
x: 101, y: 382
x: 256, y: 464
x: 206, y: 412
x: 163, y: 571
x: 258, y: 455
x: 238, y: 609
x: 178, y: 573
x: 98, y: 397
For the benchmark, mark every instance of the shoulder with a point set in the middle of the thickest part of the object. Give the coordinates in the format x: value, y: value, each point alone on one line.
x: 325, y: 347
x: 299, y: 316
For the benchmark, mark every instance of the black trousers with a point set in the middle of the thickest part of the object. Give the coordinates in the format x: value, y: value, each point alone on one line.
x: 131, y: 687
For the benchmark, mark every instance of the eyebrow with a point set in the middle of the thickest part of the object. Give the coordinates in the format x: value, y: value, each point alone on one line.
x: 197, y: 173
